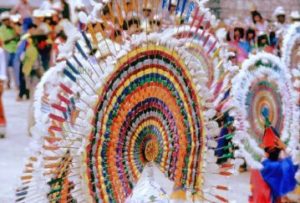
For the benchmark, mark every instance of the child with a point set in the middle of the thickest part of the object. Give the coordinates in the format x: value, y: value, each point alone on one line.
x: 2, y: 81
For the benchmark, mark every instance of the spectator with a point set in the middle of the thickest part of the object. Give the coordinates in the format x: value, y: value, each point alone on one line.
x: 28, y: 57
x: 238, y: 44
x: 129, y: 6
x: 132, y: 25
x: 2, y: 80
x: 47, y: 5
x: 39, y: 20
x: 250, y: 39
x: 16, y: 23
x: 155, y: 24
x: 41, y: 34
x: 65, y: 9
x: 260, y: 24
x: 279, y: 14
x: 170, y: 15
x: 263, y: 43
x: 239, y: 33
x: 25, y: 10
x: 147, y: 13
x: 280, y: 25
x: 9, y: 39
x: 295, y: 16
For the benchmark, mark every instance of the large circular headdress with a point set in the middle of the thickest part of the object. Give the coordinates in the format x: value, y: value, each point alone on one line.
x: 264, y: 84
x: 291, y: 54
x: 125, y: 94
x: 149, y: 102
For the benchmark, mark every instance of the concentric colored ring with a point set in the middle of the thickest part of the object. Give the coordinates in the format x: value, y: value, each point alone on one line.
x: 263, y: 94
x: 149, y: 98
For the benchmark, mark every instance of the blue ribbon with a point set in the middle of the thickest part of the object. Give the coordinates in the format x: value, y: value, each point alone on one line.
x: 87, y: 41
x: 77, y: 45
x: 72, y: 67
x: 183, y: 7
x: 178, y: 6
x: 189, y: 12
x: 77, y: 61
x: 164, y: 3
x: 69, y: 75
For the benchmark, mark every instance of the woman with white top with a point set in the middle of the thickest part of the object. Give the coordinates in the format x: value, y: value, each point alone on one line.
x: 2, y: 81
x: 260, y: 24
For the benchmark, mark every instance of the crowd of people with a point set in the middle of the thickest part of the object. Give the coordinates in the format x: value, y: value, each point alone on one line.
x: 254, y: 33
x: 245, y: 37
x: 29, y: 39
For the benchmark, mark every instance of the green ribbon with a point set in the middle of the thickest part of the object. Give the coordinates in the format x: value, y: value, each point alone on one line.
x: 229, y: 136
x: 55, y: 190
x: 226, y: 156
x: 54, y: 181
x: 267, y: 122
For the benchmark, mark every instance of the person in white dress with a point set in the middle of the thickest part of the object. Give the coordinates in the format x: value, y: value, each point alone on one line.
x: 260, y: 24
x: 2, y: 82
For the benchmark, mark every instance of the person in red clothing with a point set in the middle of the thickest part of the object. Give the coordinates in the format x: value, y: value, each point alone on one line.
x: 261, y: 192
x: 276, y: 179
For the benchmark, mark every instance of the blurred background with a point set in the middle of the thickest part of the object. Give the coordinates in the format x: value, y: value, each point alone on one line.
x: 221, y: 8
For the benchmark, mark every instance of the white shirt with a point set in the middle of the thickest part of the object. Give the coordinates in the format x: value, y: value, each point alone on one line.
x: 281, y: 29
x: 2, y: 64
x: 262, y: 27
x: 46, y: 5
x: 44, y: 27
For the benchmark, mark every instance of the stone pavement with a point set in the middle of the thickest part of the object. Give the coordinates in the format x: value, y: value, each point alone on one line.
x: 13, y: 146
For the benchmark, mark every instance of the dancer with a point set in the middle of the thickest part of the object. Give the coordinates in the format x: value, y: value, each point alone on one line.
x: 277, y: 177
x: 225, y: 146
x: 150, y: 107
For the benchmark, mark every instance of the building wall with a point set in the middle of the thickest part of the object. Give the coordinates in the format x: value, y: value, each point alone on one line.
x: 222, y: 8
x: 241, y: 8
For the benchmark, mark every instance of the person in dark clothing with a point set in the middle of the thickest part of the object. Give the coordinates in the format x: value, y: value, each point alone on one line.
x: 66, y: 10
x: 224, y: 149
x: 23, y: 88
